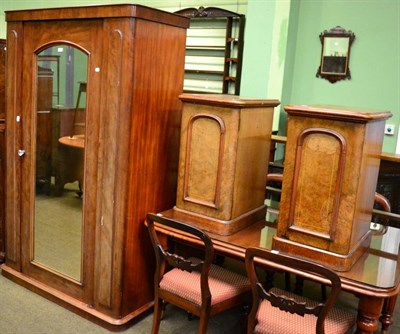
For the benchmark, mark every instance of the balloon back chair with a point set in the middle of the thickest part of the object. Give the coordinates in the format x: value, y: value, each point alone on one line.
x: 193, y: 284
x: 279, y: 311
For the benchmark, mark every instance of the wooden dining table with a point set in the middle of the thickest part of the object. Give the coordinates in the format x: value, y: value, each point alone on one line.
x: 374, y: 278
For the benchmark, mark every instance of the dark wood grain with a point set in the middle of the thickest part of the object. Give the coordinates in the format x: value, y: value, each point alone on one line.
x: 2, y: 78
x: 2, y: 146
x: 2, y: 192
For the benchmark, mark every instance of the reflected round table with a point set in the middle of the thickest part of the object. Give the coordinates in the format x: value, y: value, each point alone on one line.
x: 70, y: 162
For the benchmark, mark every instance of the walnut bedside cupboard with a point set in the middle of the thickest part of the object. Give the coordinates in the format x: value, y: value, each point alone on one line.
x: 134, y: 72
x: 224, y: 141
x: 331, y: 169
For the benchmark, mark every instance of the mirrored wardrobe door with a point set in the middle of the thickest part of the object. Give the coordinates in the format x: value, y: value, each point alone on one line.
x: 56, y: 233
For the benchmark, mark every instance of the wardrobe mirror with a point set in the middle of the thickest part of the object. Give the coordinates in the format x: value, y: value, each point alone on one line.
x: 59, y: 161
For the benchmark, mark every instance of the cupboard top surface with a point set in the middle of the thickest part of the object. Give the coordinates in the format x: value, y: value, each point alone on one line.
x: 337, y: 113
x: 226, y: 100
x: 98, y: 12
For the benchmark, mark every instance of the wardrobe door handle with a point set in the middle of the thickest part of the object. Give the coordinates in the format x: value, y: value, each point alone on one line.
x: 21, y: 152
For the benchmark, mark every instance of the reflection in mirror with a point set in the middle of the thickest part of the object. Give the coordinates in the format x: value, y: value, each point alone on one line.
x: 334, y: 60
x: 60, y: 131
x: 335, y: 55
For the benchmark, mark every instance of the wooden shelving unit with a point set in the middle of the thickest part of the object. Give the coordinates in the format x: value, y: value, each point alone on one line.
x: 214, y: 50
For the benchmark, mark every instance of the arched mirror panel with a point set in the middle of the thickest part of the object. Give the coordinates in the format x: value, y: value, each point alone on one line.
x: 59, y: 159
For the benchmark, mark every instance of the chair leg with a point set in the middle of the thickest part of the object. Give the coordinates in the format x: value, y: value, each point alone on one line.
x: 298, y: 289
x: 163, y: 307
x: 269, y: 279
x: 219, y: 260
x: 189, y: 316
x: 287, y: 281
x: 244, y: 316
x: 203, y: 322
x: 323, y: 292
x: 158, y: 307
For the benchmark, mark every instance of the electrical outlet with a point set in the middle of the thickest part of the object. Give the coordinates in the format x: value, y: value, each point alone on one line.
x: 389, y: 129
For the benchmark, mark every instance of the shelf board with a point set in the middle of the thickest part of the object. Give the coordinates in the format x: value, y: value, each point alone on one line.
x: 204, y: 72
x: 205, y: 91
x: 205, y: 47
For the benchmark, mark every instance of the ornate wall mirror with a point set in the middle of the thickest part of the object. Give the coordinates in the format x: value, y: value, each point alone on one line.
x: 335, y: 54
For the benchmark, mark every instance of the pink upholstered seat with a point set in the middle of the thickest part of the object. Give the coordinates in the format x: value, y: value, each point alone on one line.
x: 277, y: 311
x: 224, y: 284
x: 271, y: 320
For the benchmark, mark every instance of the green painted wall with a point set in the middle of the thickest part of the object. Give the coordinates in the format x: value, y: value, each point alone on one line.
x: 257, y: 48
x: 282, y: 49
x: 170, y: 5
x: 265, y: 51
x: 374, y: 63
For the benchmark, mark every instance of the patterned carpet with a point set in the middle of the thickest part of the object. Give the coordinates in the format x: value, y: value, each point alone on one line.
x: 58, y: 230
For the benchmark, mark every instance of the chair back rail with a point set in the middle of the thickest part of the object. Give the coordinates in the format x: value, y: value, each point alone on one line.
x: 284, y: 302
x: 177, y: 261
